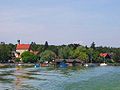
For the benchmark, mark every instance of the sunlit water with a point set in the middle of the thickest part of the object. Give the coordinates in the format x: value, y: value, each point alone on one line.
x: 93, y: 78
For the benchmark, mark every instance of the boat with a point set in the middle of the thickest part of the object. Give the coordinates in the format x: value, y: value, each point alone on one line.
x: 86, y: 65
x: 37, y: 65
x: 90, y: 65
x: 63, y: 65
x: 103, y: 64
x: 19, y: 64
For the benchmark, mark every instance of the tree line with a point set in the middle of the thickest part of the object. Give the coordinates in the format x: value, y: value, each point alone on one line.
x: 48, y: 53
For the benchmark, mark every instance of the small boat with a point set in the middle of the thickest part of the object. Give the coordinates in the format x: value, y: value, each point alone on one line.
x: 90, y: 65
x: 86, y: 65
x: 37, y: 65
x: 103, y: 64
x: 19, y: 64
x: 63, y: 65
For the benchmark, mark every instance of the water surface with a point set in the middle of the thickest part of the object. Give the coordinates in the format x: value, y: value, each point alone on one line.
x: 92, y: 78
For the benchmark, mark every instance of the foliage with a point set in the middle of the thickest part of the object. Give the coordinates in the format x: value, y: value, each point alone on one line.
x: 17, y: 60
x: 70, y: 51
x: 81, y: 53
x: 46, y: 45
x: 29, y: 57
x: 93, y: 45
x: 47, y: 55
x: 65, y: 52
x: 5, y: 53
x: 34, y: 46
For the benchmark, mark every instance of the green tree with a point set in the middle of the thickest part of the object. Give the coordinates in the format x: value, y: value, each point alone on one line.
x: 80, y: 53
x: 47, y: 55
x: 90, y: 55
x: 17, y: 60
x: 83, y: 56
x: 29, y: 57
x: 5, y: 53
x: 95, y: 57
x: 93, y: 45
x: 53, y: 48
x: 46, y: 45
x: 33, y: 46
x: 64, y: 52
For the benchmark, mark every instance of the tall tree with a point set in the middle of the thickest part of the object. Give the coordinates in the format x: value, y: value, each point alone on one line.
x: 46, y: 45
x: 33, y: 46
x: 93, y: 45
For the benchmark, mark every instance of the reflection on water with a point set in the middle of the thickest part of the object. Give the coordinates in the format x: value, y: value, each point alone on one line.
x: 50, y: 78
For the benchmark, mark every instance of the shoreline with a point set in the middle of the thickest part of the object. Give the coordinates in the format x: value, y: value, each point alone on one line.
x: 7, y: 65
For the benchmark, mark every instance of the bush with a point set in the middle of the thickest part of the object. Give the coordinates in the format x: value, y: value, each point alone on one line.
x: 17, y: 60
x: 29, y: 57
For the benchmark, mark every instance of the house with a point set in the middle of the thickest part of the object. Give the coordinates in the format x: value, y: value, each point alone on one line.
x: 20, y: 48
x: 105, y: 55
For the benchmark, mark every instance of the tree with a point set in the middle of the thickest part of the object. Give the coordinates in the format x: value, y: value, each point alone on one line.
x: 47, y: 55
x: 29, y: 57
x: 53, y: 48
x: 5, y: 53
x: 40, y: 48
x: 34, y: 46
x: 83, y: 56
x: 11, y: 46
x: 46, y: 45
x: 64, y: 52
x: 90, y: 54
x: 81, y: 53
x: 93, y: 45
x: 95, y: 57
x: 74, y: 45
x: 17, y: 60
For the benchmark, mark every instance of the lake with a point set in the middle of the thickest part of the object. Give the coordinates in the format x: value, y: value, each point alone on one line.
x: 46, y: 78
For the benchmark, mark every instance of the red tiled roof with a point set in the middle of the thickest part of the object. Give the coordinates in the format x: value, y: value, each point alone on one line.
x: 103, y: 54
x: 22, y: 46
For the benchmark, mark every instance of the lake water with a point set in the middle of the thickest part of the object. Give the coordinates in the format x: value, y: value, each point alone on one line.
x: 92, y: 78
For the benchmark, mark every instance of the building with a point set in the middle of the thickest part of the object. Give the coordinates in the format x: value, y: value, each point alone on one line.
x: 105, y: 55
x: 20, y: 48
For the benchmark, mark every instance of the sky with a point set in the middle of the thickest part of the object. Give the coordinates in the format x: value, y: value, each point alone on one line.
x: 61, y: 21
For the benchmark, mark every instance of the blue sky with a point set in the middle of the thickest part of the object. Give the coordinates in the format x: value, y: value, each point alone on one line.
x: 61, y: 21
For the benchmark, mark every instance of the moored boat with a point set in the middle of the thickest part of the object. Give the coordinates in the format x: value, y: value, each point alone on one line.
x: 63, y: 65
x: 90, y: 65
x: 37, y: 65
x: 103, y: 64
x: 86, y: 65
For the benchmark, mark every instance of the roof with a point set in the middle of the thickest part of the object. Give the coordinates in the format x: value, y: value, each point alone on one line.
x: 104, y: 54
x: 22, y: 46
